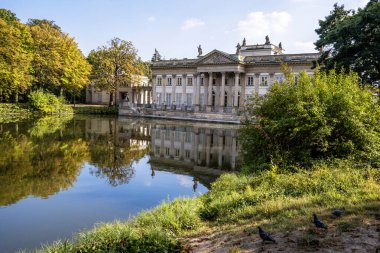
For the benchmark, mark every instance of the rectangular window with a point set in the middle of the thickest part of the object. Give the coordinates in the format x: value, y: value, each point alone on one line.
x: 157, y: 150
x: 168, y: 98
x: 189, y: 97
x: 213, y: 81
x: 177, y: 152
x: 187, y: 154
x: 159, y: 81
x: 167, y: 151
x: 167, y: 135
x: 188, y: 137
x: 169, y: 81
x: 264, y: 81
x: 202, y: 81
x: 158, y: 134
x: 226, y: 81
x: 279, y: 78
x: 189, y: 81
x: 178, y: 99
x: 179, y: 81
x: 250, y: 81
x: 159, y: 98
x: 177, y: 135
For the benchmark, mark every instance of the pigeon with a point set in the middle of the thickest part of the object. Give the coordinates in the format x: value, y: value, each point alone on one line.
x: 265, y: 236
x: 337, y: 213
x: 318, y: 223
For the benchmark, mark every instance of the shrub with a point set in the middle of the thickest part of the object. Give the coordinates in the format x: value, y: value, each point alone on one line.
x: 325, y: 116
x: 48, y: 103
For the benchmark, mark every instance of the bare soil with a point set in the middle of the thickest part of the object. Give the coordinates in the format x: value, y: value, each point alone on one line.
x: 363, y: 236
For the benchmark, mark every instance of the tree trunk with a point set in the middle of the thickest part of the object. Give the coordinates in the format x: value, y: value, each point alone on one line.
x: 111, y: 99
x: 1, y: 95
x: 61, y: 91
x: 16, y: 97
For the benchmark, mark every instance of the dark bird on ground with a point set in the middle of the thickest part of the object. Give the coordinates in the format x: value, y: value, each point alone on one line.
x: 318, y: 223
x: 337, y: 213
x: 265, y: 236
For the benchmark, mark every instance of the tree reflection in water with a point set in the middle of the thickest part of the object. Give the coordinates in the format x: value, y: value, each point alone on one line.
x: 42, y: 157
x: 38, y: 160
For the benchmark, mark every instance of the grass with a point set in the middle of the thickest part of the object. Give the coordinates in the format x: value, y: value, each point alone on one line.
x: 278, y: 200
x: 96, y: 110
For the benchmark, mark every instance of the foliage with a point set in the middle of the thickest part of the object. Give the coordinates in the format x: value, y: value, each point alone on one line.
x: 48, y: 103
x: 114, y: 66
x: 15, y: 56
x: 57, y: 63
x: 6, y: 108
x: 351, y: 40
x: 321, y: 117
x: 95, y: 110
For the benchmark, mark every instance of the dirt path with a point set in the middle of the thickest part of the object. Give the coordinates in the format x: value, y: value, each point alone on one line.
x: 363, y: 238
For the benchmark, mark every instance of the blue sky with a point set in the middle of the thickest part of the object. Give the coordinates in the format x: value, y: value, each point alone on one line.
x: 176, y: 27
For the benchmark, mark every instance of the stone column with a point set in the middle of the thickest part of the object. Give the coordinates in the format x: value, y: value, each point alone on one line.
x: 242, y: 94
x: 209, y: 93
x: 236, y: 94
x: 196, y: 92
x: 184, y: 86
x: 154, y: 87
x: 144, y: 101
x: 222, y: 90
x: 165, y: 81
x: 174, y: 87
x: 257, y: 82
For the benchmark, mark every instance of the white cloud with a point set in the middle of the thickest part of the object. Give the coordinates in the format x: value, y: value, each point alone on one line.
x: 184, y: 181
x: 304, y: 47
x: 151, y: 19
x: 259, y: 24
x: 192, y: 23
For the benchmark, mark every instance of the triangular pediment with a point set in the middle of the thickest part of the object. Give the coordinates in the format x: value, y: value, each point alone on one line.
x: 217, y: 57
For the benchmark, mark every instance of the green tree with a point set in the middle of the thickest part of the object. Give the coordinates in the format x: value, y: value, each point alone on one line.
x: 114, y: 66
x: 351, y: 40
x: 320, y: 117
x: 15, y: 56
x: 58, y: 64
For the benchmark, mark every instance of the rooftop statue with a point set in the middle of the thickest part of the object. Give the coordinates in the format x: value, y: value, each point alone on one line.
x: 280, y: 45
x: 244, y: 43
x: 156, y: 56
x: 238, y: 47
x: 267, y: 41
x: 200, y: 50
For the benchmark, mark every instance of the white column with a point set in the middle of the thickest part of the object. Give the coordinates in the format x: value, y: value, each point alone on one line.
x: 184, y: 85
x: 174, y: 84
x: 236, y: 89
x: 242, y: 94
x: 154, y: 87
x: 209, y: 95
x: 165, y: 81
x: 222, y: 89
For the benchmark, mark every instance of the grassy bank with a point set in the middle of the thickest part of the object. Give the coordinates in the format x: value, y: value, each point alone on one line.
x: 277, y: 200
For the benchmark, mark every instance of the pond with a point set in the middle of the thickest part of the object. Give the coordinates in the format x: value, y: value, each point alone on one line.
x: 60, y: 175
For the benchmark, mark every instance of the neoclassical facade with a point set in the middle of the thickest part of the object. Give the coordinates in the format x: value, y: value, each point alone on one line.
x: 220, y: 82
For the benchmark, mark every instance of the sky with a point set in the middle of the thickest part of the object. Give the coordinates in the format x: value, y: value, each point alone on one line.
x: 177, y: 27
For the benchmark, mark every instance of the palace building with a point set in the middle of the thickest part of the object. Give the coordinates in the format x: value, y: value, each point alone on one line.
x: 219, y: 82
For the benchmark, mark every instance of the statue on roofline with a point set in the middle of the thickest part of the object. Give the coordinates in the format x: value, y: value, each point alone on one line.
x: 267, y: 41
x: 200, y: 51
x: 156, y: 56
x: 244, y: 43
x: 238, y: 47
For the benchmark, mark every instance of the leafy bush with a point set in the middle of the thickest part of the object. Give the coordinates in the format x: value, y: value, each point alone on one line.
x: 48, y: 103
x: 325, y: 116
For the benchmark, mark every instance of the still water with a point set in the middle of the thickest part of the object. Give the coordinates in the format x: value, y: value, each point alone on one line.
x: 61, y: 175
